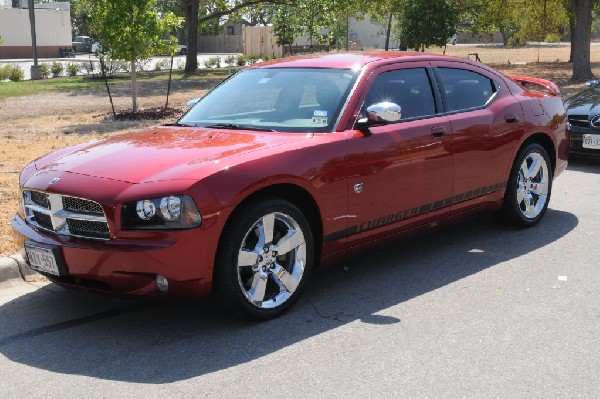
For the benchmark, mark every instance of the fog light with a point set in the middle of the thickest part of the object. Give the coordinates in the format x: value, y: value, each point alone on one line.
x: 162, y: 283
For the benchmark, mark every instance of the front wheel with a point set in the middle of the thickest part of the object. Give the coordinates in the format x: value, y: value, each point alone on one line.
x: 264, y: 259
x: 529, y: 187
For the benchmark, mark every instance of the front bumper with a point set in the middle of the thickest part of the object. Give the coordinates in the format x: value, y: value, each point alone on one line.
x: 576, y: 142
x: 130, y: 266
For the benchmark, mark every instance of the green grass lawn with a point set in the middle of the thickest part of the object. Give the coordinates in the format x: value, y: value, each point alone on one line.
x: 79, y: 83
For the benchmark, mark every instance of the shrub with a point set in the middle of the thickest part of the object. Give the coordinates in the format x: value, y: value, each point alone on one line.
x: 230, y: 60
x: 5, y: 72
x: 57, y: 69
x: 45, y: 68
x: 180, y: 64
x: 73, y: 68
x: 16, y: 73
x: 253, y: 59
x: 162, y: 64
x: 212, y: 62
x: 241, y: 60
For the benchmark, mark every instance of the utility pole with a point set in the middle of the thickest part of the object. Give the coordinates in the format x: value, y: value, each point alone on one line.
x: 36, y: 70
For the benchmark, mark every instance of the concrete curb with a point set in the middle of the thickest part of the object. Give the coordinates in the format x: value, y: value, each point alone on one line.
x: 15, y: 268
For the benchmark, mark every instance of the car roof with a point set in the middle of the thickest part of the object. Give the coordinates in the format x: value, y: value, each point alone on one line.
x: 351, y: 60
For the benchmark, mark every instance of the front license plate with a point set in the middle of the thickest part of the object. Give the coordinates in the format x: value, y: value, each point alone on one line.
x: 42, y: 259
x: 591, y: 141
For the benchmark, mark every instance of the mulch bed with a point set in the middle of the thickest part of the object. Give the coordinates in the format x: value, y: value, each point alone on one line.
x: 147, y: 114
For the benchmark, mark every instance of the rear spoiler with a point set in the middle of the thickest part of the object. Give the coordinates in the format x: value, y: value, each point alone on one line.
x: 544, y: 84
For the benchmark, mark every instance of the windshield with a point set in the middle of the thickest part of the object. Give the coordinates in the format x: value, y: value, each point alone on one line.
x: 278, y: 99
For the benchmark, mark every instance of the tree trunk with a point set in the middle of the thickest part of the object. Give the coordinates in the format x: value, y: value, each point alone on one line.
x: 190, y: 10
x: 581, y: 39
x: 134, y: 96
x: 388, y: 32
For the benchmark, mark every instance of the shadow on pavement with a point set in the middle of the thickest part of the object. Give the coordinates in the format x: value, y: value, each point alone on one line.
x: 129, y: 340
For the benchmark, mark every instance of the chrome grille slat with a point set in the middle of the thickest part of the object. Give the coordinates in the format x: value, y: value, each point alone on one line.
x: 65, y: 215
x: 579, y: 120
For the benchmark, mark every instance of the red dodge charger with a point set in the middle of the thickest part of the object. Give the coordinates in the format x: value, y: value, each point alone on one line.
x: 287, y: 165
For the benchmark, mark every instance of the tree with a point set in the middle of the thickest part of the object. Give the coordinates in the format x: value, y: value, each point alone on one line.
x: 286, y: 26
x: 132, y: 30
x: 427, y: 23
x: 581, y: 39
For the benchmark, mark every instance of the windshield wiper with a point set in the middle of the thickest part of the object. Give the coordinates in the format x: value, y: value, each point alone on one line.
x: 235, y: 126
x: 180, y: 124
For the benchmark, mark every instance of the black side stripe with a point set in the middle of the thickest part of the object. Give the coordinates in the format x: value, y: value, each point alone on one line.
x: 408, y: 213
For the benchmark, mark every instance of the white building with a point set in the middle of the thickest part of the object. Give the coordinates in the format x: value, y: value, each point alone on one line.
x: 53, y: 29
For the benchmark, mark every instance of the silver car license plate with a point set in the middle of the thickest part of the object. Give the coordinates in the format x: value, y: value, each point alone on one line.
x: 42, y: 259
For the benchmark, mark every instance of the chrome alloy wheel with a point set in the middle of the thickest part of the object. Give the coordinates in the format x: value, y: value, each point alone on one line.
x: 271, y: 260
x: 532, y: 186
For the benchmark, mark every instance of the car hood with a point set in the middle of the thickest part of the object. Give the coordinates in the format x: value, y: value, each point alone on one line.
x: 586, y: 102
x: 162, y: 153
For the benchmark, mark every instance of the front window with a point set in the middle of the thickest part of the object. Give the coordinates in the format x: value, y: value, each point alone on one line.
x: 277, y: 99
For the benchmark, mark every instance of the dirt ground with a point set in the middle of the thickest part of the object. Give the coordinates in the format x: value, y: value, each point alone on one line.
x: 31, y: 126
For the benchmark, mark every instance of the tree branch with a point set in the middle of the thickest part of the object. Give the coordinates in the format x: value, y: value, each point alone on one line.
x: 245, y: 4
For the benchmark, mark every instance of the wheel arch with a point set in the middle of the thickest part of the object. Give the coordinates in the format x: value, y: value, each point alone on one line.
x: 545, y: 141
x: 296, y: 195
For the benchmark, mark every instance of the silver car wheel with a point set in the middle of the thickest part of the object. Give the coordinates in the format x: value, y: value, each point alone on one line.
x: 271, y: 260
x: 533, y: 183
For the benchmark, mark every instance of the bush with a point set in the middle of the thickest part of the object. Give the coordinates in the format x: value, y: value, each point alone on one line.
x: 4, y: 72
x: 73, y: 68
x: 16, y: 73
x: 45, y: 68
x: 57, y: 69
x: 253, y: 59
x: 162, y: 64
x: 212, y: 62
x: 241, y: 60
x: 230, y: 60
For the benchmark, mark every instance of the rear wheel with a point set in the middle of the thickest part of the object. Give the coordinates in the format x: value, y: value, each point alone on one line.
x: 529, y: 187
x: 264, y: 259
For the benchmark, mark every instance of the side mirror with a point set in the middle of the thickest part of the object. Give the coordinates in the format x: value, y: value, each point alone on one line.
x: 379, y: 114
x: 193, y: 102
x: 384, y: 112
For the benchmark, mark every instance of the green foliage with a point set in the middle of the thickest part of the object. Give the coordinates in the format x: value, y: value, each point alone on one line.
x: 427, y: 23
x: 212, y: 62
x: 242, y: 60
x: 45, y: 68
x: 133, y: 30
x: 230, y: 60
x: 73, y: 68
x: 1, y: 40
x: 57, y: 69
x: 162, y: 64
x: 11, y: 72
x: 253, y: 59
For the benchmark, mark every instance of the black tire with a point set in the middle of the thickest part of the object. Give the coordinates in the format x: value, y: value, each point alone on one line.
x: 183, y: 51
x: 527, y: 197
x: 239, y: 287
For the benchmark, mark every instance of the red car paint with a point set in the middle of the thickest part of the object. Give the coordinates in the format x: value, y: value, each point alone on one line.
x: 411, y: 178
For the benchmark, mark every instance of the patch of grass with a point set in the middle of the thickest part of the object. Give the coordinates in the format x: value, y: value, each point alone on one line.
x: 83, y: 83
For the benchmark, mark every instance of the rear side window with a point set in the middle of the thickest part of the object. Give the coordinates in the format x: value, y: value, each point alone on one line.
x: 409, y: 88
x: 465, y: 89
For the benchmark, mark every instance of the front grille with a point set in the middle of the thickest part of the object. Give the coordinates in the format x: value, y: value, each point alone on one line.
x: 65, y: 215
x: 88, y: 229
x: 43, y: 220
x: 40, y: 199
x: 579, y: 120
x: 73, y: 204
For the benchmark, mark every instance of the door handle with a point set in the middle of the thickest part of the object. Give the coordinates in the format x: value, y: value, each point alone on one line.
x: 438, y: 131
x: 511, y: 118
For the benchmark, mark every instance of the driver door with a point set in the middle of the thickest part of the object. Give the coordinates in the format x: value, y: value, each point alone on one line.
x: 400, y: 175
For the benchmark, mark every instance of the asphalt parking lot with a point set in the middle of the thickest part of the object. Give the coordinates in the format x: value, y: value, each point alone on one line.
x: 476, y: 310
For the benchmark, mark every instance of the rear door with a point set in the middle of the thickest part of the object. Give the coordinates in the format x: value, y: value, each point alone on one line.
x: 485, y: 121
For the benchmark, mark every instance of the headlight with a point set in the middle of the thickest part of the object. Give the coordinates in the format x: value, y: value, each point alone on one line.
x: 170, y: 212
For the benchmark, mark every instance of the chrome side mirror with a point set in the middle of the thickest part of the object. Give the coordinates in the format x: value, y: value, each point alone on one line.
x: 384, y: 112
x: 193, y: 102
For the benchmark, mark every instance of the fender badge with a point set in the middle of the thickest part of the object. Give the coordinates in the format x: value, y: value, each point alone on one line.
x: 54, y: 180
x: 358, y: 188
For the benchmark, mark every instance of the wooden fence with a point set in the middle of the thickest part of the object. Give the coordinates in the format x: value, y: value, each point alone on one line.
x: 256, y: 40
